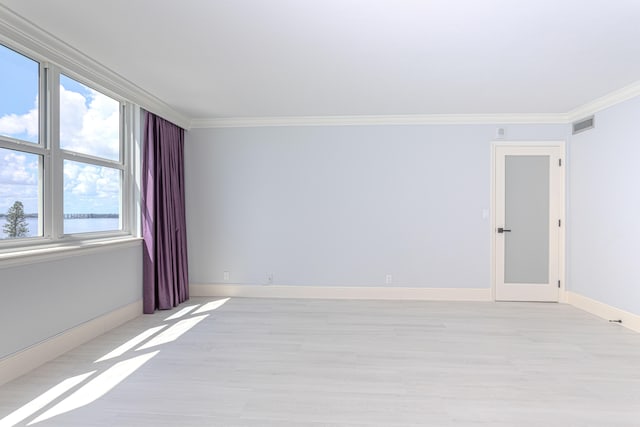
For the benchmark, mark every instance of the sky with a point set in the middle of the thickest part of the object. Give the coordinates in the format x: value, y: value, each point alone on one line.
x: 89, y: 124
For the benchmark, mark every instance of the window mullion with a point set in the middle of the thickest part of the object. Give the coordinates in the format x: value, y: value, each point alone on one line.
x: 27, y: 147
x: 44, y: 120
x: 76, y: 157
x: 56, y: 178
x: 130, y: 157
x: 124, y: 180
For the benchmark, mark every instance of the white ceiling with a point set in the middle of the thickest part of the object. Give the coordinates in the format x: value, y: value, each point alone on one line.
x: 269, y: 58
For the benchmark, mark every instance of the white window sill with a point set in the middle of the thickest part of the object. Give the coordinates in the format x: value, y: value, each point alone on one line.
x: 52, y: 252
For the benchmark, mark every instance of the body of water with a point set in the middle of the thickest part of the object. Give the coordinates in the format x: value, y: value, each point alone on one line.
x: 76, y: 225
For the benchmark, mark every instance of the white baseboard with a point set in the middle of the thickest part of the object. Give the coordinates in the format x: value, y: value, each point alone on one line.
x: 600, y: 309
x: 20, y: 363
x: 339, y: 292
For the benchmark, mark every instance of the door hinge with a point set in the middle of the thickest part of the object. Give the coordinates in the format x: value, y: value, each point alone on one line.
x: 558, y: 283
x: 559, y: 223
x: 559, y: 162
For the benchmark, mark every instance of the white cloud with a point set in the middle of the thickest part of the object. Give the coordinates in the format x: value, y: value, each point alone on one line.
x: 21, y: 126
x: 88, y: 125
x: 72, y: 111
x: 18, y: 180
x: 89, y: 188
x: 18, y: 168
x: 85, y: 182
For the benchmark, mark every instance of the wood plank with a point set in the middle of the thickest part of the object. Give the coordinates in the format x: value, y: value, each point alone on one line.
x: 290, y: 362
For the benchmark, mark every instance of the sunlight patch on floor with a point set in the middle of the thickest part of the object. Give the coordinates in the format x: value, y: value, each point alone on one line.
x: 43, y: 400
x: 182, y: 312
x: 110, y: 377
x: 97, y: 387
x: 131, y: 343
x: 174, y: 332
x: 210, y: 306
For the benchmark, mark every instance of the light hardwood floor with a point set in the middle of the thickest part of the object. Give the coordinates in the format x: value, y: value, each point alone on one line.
x: 279, y: 362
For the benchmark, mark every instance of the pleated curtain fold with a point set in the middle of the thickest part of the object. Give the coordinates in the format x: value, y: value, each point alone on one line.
x: 165, y: 272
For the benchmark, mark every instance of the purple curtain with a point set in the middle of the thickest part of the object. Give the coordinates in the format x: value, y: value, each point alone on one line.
x: 165, y: 275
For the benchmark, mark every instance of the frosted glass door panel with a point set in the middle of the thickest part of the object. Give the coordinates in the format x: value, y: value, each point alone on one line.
x: 527, y: 216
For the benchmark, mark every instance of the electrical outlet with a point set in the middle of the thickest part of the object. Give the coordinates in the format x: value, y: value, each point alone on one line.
x: 226, y: 276
x: 388, y: 279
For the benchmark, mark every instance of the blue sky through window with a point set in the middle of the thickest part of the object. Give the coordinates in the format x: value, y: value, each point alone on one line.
x: 89, y: 124
x: 18, y: 95
x: 74, y: 86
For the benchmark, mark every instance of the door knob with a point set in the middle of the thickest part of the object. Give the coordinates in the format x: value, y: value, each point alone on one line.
x: 503, y: 230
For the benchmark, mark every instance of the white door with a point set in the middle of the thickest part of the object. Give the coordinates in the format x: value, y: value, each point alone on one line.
x: 528, y: 221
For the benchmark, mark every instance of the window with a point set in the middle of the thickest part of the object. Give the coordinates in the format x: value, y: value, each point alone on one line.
x: 91, y: 198
x: 89, y: 121
x: 90, y: 146
x: 20, y: 186
x: 21, y: 151
x: 63, y: 163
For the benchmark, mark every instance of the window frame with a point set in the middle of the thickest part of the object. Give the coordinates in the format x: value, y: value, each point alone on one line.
x: 51, y: 185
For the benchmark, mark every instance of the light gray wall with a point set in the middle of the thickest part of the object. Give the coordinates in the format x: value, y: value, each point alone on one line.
x: 604, y: 208
x: 344, y: 206
x: 44, y: 299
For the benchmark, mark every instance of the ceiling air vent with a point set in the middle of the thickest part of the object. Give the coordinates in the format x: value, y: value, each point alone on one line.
x: 583, y: 125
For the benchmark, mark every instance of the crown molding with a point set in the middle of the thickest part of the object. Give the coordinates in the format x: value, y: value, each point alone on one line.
x: 592, y: 107
x: 416, y: 119
x: 32, y: 40
x: 606, y: 101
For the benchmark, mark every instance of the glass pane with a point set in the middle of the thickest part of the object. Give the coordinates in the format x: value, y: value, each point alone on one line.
x: 92, y: 196
x: 527, y: 216
x: 20, y: 200
x: 89, y: 121
x: 19, y: 78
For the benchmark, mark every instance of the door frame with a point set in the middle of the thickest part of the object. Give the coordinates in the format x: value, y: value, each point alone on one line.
x: 561, y: 145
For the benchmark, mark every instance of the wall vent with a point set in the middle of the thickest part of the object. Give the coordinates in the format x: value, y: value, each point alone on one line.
x: 583, y: 125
